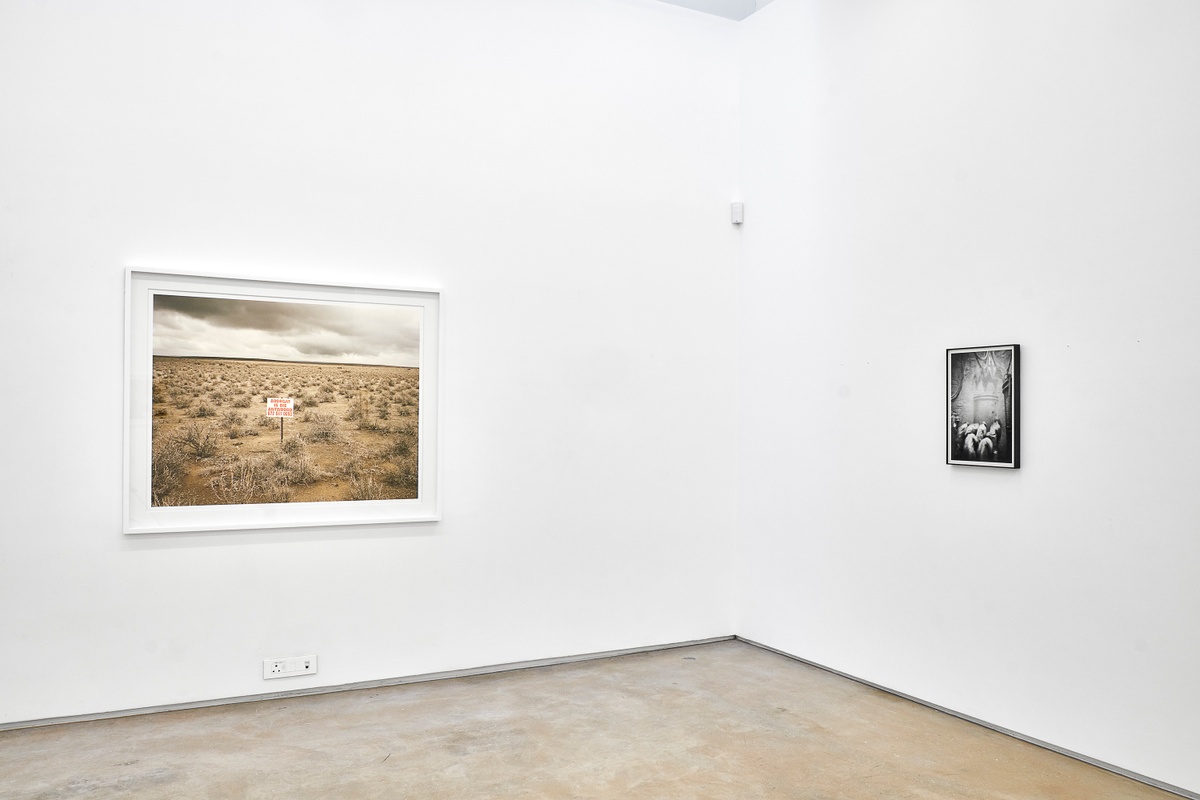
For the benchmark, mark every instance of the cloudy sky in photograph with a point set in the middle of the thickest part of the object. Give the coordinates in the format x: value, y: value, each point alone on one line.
x: 356, y: 333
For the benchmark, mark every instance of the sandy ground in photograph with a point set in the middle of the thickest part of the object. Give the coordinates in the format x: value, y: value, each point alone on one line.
x: 353, y: 436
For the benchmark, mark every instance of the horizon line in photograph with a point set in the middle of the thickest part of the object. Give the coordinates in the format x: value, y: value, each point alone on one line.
x: 199, y: 326
x: 288, y: 361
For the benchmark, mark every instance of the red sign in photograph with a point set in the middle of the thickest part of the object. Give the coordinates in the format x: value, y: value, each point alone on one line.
x: 280, y: 407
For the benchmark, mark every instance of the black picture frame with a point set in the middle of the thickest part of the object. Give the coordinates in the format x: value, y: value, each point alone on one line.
x: 983, y: 406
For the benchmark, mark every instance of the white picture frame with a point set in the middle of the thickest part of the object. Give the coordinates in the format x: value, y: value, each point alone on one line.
x: 223, y: 344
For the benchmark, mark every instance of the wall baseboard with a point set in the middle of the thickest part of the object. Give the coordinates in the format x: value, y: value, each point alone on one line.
x: 1134, y: 776
x: 349, y: 687
x: 573, y: 659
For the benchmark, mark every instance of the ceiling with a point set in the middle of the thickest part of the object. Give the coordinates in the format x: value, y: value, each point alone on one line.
x: 730, y: 9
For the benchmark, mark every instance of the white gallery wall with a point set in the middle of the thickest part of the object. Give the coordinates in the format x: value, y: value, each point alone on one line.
x: 560, y: 169
x: 925, y: 175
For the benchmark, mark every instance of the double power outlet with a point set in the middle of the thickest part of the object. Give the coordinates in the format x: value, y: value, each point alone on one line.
x: 287, y: 667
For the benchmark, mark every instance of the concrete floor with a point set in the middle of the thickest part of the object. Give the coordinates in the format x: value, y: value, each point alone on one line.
x: 724, y: 720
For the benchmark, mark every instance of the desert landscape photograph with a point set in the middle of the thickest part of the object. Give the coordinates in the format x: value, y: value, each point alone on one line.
x: 351, y: 370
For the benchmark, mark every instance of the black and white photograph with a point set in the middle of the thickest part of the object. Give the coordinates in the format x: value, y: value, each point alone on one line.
x: 983, y: 406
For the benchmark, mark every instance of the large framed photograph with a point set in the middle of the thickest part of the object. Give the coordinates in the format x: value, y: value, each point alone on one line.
x: 983, y: 406
x: 263, y: 404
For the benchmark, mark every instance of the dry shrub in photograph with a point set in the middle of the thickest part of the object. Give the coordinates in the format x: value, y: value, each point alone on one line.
x: 354, y: 435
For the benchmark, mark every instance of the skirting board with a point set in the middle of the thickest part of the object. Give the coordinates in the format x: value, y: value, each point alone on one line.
x: 1166, y: 787
x: 550, y: 662
x: 349, y: 687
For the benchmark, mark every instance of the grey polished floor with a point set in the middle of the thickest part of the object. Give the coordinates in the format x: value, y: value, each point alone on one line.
x: 724, y: 720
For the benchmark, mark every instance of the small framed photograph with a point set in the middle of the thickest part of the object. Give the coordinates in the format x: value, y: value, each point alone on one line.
x: 263, y: 404
x: 983, y: 406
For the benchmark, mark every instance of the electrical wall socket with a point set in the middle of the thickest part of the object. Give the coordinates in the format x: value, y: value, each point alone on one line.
x: 287, y: 667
